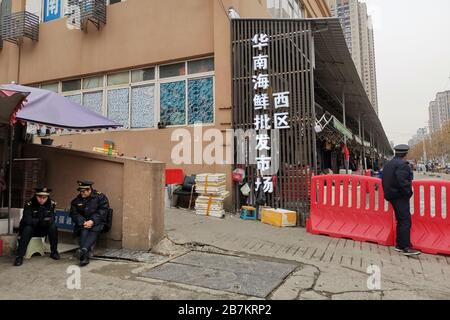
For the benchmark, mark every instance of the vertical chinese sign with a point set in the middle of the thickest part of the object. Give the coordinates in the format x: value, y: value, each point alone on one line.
x: 273, y: 99
x: 262, y: 103
x: 52, y: 10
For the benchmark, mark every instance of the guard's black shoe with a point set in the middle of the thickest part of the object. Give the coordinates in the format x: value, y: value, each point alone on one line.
x: 84, y: 258
x: 55, y: 256
x: 18, y: 262
x: 398, y: 249
x: 411, y: 252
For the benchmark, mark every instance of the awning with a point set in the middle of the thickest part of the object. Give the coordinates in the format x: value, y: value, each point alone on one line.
x: 342, y: 129
x: 336, y: 73
x: 53, y: 110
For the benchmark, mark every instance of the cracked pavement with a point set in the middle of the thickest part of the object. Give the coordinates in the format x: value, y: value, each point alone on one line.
x: 325, y: 268
x: 329, y: 268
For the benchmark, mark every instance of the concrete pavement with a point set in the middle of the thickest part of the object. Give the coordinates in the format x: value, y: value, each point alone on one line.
x: 335, y: 268
x: 431, y: 176
x: 323, y: 268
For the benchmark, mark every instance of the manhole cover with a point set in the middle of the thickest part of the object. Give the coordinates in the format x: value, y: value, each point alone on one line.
x: 247, y: 276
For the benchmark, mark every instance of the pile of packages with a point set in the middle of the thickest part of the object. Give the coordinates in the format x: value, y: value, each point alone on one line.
x: 212, y: 190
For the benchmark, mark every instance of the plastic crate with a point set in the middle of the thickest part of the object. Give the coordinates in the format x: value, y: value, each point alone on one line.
x: 174, y: 176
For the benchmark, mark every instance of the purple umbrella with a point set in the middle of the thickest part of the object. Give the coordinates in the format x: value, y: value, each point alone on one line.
x: 10, y: 103
x: 46, y: 108
x: 51, y: 109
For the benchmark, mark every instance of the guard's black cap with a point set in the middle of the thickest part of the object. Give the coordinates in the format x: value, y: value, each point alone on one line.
x: 402, y: 149
x: 83, y: 185
x: 44, y: 191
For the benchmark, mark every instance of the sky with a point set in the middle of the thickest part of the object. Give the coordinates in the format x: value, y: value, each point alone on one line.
x: 412, y: 43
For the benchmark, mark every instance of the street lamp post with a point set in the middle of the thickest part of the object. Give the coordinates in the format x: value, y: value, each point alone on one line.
x: 424, y: 151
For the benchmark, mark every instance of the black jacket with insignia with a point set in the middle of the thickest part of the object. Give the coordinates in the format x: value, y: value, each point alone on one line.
x: 36, y: 215
x: 94, y: 208
x: 397, y: 180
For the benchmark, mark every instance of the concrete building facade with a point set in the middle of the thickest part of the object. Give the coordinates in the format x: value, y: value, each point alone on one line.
x: 156, y: 67
x: 359, y: 35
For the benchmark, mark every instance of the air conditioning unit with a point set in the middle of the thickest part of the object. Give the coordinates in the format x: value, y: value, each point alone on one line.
x: 80, y: 12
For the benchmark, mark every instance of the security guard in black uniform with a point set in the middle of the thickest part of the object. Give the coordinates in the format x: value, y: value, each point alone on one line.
x: 89, y: 212
x: 38, y: 221
x: 397, y: 185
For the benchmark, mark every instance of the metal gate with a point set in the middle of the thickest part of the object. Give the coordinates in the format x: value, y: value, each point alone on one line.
x: 290, y: 69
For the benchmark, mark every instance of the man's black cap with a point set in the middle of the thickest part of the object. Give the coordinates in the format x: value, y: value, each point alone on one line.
x: 83, y: 185
x: 402, y: 149
x: 44, y: 191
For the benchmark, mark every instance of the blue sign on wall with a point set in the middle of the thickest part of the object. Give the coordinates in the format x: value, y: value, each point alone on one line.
x: 52, y: 10
x: 63, y: 221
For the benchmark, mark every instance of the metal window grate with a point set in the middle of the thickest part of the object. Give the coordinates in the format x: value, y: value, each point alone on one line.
x: 17, y: 25
x: 81, y: 12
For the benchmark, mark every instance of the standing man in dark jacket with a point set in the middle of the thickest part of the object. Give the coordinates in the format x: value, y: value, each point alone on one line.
x: 397, y: 185
x: 89, y: 212
x: 38, y: 221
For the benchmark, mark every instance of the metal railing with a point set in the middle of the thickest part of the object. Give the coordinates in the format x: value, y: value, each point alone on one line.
x: 17, y: 25
x: 81, y: 12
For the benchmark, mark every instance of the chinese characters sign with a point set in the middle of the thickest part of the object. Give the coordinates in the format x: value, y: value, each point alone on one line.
x: 63, y: 220
x: 52, y: 10
x: 264, y: 121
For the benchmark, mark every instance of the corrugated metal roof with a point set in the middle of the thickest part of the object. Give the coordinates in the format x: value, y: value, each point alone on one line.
x: 336, y: 73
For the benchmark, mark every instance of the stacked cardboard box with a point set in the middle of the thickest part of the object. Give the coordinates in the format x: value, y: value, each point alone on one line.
x: 212, y: 190
x: 279, y: 217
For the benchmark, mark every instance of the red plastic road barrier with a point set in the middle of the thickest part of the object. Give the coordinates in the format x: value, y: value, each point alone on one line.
x: 1, y: 248
x: 345, y: 206
x: 431, y: 228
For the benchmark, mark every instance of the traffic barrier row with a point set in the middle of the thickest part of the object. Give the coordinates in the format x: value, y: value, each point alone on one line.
x: 353, y: 207
x: 430, y: 222
x: 347, y: 206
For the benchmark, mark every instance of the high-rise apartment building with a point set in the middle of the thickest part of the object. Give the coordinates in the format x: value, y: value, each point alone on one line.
x: 359, y: 35
x: 295, y: 9
x: 434, y: 121
x: 418, y: 137
x: 439, y: 111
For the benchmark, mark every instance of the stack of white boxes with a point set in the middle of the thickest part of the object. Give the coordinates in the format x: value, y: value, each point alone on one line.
x: 212, y: 190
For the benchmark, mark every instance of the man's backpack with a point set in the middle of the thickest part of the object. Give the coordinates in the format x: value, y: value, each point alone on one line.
x: 109, y: 217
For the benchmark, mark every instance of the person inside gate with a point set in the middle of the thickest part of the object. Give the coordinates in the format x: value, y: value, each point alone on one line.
x: 90, y: 213
x: 38, y: 221
x: 397, y: 185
